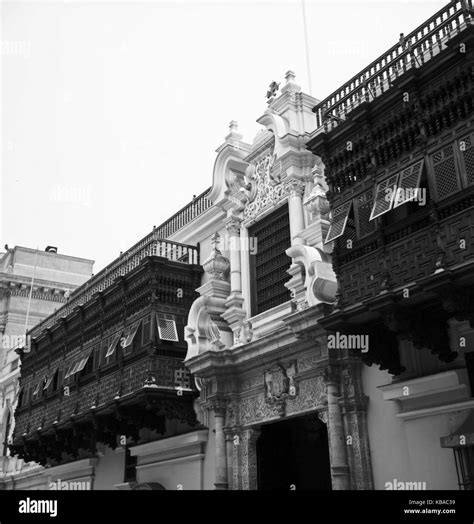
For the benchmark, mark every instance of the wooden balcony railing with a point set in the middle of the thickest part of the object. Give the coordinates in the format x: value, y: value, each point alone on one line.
x: 121, y: 266
x: 412, y: 51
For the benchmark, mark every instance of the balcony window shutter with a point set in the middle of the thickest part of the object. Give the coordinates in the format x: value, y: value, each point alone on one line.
x: 409, y: 182
x: 364, y: 204
x: 167, y: 328
x: 37, y: 388
x: 50, y: 378
x: 82, y: 363
x: 113, y: 344
x: 384, y: 196
x: 444, y: 170
x: 127, y: 346
x: 339, y: 221
x: 69, y: 369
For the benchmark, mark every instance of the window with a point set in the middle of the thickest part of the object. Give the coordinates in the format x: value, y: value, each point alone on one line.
x: 363, y: 207
x: 384, y: 196
x: 445, y: 173
x: 269, y: 265
x: 397, y: 189
x: 37, y: 392
x: 113, y: 344
x: 55, y: 382
x: 14, y: 365
x: 49, y: 379
x: 453, y: 166
x: 167, y: 328
x: 82, y: 362
x: 78, y: 365
x: 409, y: 184
x: 69, y: 369
x: 86, y: 365
x: 127, y: 344
x: 340, y: 216
x: 97, y: 356
x: 137, y: 340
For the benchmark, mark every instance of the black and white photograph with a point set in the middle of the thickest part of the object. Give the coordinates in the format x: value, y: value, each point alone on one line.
x: 237, y: 255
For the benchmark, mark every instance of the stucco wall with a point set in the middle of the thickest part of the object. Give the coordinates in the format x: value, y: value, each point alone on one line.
x: 405, y: 450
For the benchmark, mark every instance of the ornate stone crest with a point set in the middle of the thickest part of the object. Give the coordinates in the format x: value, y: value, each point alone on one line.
x: 265, y: 178
x: 280, y: 383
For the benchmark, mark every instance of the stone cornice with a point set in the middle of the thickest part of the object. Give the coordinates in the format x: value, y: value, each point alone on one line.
x: 282, y: 343
x: 17, y: 285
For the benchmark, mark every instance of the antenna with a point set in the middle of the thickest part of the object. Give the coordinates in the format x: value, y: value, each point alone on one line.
x: 308, y: 62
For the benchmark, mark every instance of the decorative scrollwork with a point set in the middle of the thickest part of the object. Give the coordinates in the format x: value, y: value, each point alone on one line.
x: 267, y: 187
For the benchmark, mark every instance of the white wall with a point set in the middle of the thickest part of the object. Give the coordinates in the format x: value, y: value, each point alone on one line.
x: 405, y: 450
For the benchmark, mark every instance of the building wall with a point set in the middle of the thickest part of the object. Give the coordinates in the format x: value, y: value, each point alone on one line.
x: 110, y: 468
x: 177, y: 463
x: 406, y: 450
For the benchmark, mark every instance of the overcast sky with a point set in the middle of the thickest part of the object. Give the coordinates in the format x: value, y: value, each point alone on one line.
x: 112, y: 111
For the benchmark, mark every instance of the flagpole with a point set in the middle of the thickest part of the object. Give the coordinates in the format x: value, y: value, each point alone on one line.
x: 29, y: 298
x: 306, y: 40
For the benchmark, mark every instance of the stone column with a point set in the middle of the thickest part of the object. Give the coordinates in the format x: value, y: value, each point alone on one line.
x: 220, y: 447
x: 354, y: 415
x: 233, y: 230
x: 337, y: 441
x: 229, y: 441
x: 249, y: 458
x: 295, y: 207
x: 295, y: 187
x: 234, y: 313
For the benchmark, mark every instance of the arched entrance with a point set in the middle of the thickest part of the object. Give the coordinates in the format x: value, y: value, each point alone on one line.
x: 293, y: 454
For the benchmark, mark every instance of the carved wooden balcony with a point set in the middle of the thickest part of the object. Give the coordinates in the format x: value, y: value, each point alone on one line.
x: 404, y: 125
x: 111, y: 367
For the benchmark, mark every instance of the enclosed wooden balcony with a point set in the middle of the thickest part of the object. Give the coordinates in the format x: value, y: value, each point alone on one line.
x: 110, y: 365
x: 397, y: 142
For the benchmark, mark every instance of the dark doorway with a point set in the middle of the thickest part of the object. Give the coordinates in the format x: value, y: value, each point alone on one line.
x: 294, y: 455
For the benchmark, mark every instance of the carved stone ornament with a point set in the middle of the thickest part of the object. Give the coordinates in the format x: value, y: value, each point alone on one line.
x: 267, y: 187
x: 216, y: 266
x: 280, y: 383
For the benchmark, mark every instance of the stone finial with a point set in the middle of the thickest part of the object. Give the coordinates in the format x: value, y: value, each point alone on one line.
x: 216, y: 265
x: 290, y: 86
x: 290, y: 77
x: 233, y: 134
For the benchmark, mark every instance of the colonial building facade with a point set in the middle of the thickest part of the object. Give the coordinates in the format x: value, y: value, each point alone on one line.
x: 303, y: 324
x: 33, y: 284
x: 276, y: 398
